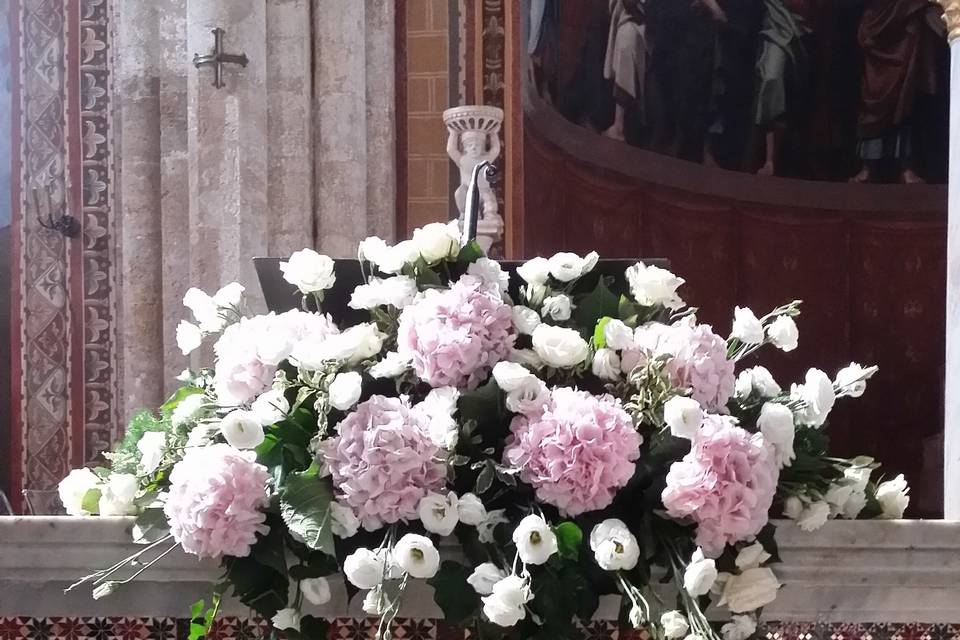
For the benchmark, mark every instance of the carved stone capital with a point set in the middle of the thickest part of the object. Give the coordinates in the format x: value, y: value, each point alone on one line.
x: 951, y: 15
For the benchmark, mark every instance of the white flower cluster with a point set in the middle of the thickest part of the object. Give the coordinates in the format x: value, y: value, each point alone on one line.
x: 211, y: 313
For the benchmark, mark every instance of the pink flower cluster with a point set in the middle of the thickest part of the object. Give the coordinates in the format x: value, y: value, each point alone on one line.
x: 216, y: 498
x: 725, y: 484
x: 384, y: 461
x: 455, y: 336
x: 577, y: 452
x: 699, y: 363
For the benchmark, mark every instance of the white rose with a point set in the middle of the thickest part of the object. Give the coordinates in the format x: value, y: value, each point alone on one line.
x: 438, y: 513
x: 558, y: 307
x: 617, y: 335
x: 315, y: 590
x: 372, y: 249
x: 776, y: 425
x: 535, y: 540
x: 470, y: 509
x: 271, y: 407
x: 614, y: 547
x: 606, y: 364
x: 205, y: 310
x: 746, y: 327
x: 486, y: 528
x: 242, y: 429
x: 559, y: 347
x: 814, y: 516
x: 437, y: 241
x: 343, y: 521
x: 526, y: 357
x: 354, y: 345
x: 395, y: 258
x: 189, y: 337
x: 675, y: 625
x: 525, y: 319
x: 817, y: 396
x: 229, y: 296
x: 309, y: 271
x: 118, y: 495
x: 684, y: 416
x: 756, y: 379
x: 345, y: 390
x: 417, y: 556
x: 286, y: 619
x: 852, y: 379
x: 783, y: 333
x: 739, y: 628
x: 792, y: 508
x: 372, y: 602
x: 752, y: 589
x: 534, y: 294
x: 510, y: 375
x: 484, y: 577
x: 566, y: 267
x: 398, y: 292
x: 529, y: 398
x: 505, y: 604
x: 364, y: 568
x: 751, y: 556
x: 699, y: 575
x: 150, y: 445
x: 894, y: 497
x: 535, y: 271
x: 490, y: 272
x: 652, y: 286
x: 392, y: 366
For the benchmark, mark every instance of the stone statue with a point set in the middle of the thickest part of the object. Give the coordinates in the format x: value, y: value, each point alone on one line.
x: 474, y: 138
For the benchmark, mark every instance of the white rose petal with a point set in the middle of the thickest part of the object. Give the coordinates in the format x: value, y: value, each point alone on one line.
x: 286, y: 619
x: 699, y: 575
x: 242, y: 429
x: 852, y: 380
x: 309, y: 271
x: 189, y: 337
x: 229, y: 296
x: 417, y: 556
x: 352, y: 346
x: 684, y: 416
x: 606, y: 365
x: 439, y: 514
x: 392, y: 366
x: 372, y: 249
x: 205, y: 310
x: 151, y: 446
x: 837, y: 496
x: 484, y: 577
x: 617, y: 335
x: 395, y: 258
x: 746, y: 327
x: 490, y: 272
x: 559, y: 347
x: 783, y: 333
x: 315, y: 590
x: 364, y: 568
x: 343, y: 521
x: 535, y: 271
x: 529, y: 398
x: 525, y: 319
x: 894, y: 497
x: 398, y: 292
x: 345, y: 390
x: 471, y: 510
x: 271, y: 407
x: 535, y: 540
x: 566, y: 267
x: 510, y: 376
x: 437, y: 241
x: 752, y: 589
x: 558, y: 307
x: 118, y: 495
x: 653, y: 286
x: 776, y: 425
x: 739, y: 628
x: 675, y: 625
x: 814, y: 516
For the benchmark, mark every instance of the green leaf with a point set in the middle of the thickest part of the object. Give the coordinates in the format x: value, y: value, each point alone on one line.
x: 151, y: 525
x: 91, y: 501
x: 627, y: 310
x: 471, y: 252
x: 595, y: 305
x: 178, y: 397
x: 569, y: 539
x: 426, y: 276
x: 452, y: 593
x: 257, y: 586
x: 305, y: 507
x: 482, y: 405
x: 599, y: 336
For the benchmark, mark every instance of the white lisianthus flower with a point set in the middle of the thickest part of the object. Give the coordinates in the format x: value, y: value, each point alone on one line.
x: 398, y: 292
x: 484, y: 577
x: 440, y: 405
x: 505, y: 604
x: 150, y: 445
x: 746, y: 327
x: 286, y: 619
x: 837, y: 495
x: 535, y: 271
x: 437, y: 241
x: 751, y: 556
x: 675, y: 625
x: 486, y: 528
x: 438, y: 513
x: 606, y: 364
x: 530, y: 397
x: 525, y: 319
x: 617, y: 335
x: 566, y: 267
x: 270, y: 407
x: 852, y: 379
x: 417, y: 556
x: 759, y: 380
x: 558, y: 307
x: 490, y: 272
x: 817, y: 395
x: 343, y: 521
x: 559, y: 347
x: 752, y: 589
x: 614, y: 547
x: 372, y: 602
x: 372, y: 249
x: 535, y: 540
x: 205, y: 310
x: 652, y: 286
x: 894, y: 497
x: 858, y: 477
x: 526, y: 357
x: 739, y: 628
x: 189, y: 337
x: 354, y: 345
x: 776, y: 425
x: 315, y: 590
x: 393, y: 365
x: 345, y: 390
x: 510, y: 376
x: 118, y: 495
x: 187, y: 409
x: 364, y: 568
x: 470, y: 509
x: 814, y: 516
x: 792, y: 508
x: 309, y: 271
x: 242, y: 429
x: 229, y: 296
x: 684, y: 416
x: 783, y: 333
x: 395, y: 258
x: 700, y: 574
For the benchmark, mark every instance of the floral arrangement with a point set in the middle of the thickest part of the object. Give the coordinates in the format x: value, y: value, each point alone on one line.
x: 559, y: 435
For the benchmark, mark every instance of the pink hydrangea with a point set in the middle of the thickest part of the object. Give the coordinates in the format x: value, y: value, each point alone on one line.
x: 699, y: 363
x: 454, y: 337
x: 384, y: 461
x: 725, y: 484
x: 216, y: 501
x: 577, y: 453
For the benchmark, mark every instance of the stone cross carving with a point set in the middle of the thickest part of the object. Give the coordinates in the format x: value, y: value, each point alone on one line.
x: 474, y: 139
x: 217, y: 58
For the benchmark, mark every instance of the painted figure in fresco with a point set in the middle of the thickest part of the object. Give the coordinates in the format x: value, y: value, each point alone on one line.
x: 625, y: 64
x: 899, y: 41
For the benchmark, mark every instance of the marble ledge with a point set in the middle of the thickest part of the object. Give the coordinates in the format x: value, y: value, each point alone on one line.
x: 889, y: 571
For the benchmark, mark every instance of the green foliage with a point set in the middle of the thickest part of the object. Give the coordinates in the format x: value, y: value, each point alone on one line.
x: 256, y: 585
x: 125, y: 455
x: 178, y: 397
x: 471, y: 252
x: 569, y: 539
x: 202, y: 618
x: 595, y: 305
x: 305, y: 507
x: 453, y: 594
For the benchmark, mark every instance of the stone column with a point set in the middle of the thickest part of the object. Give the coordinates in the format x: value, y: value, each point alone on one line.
x: 951, y: 423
